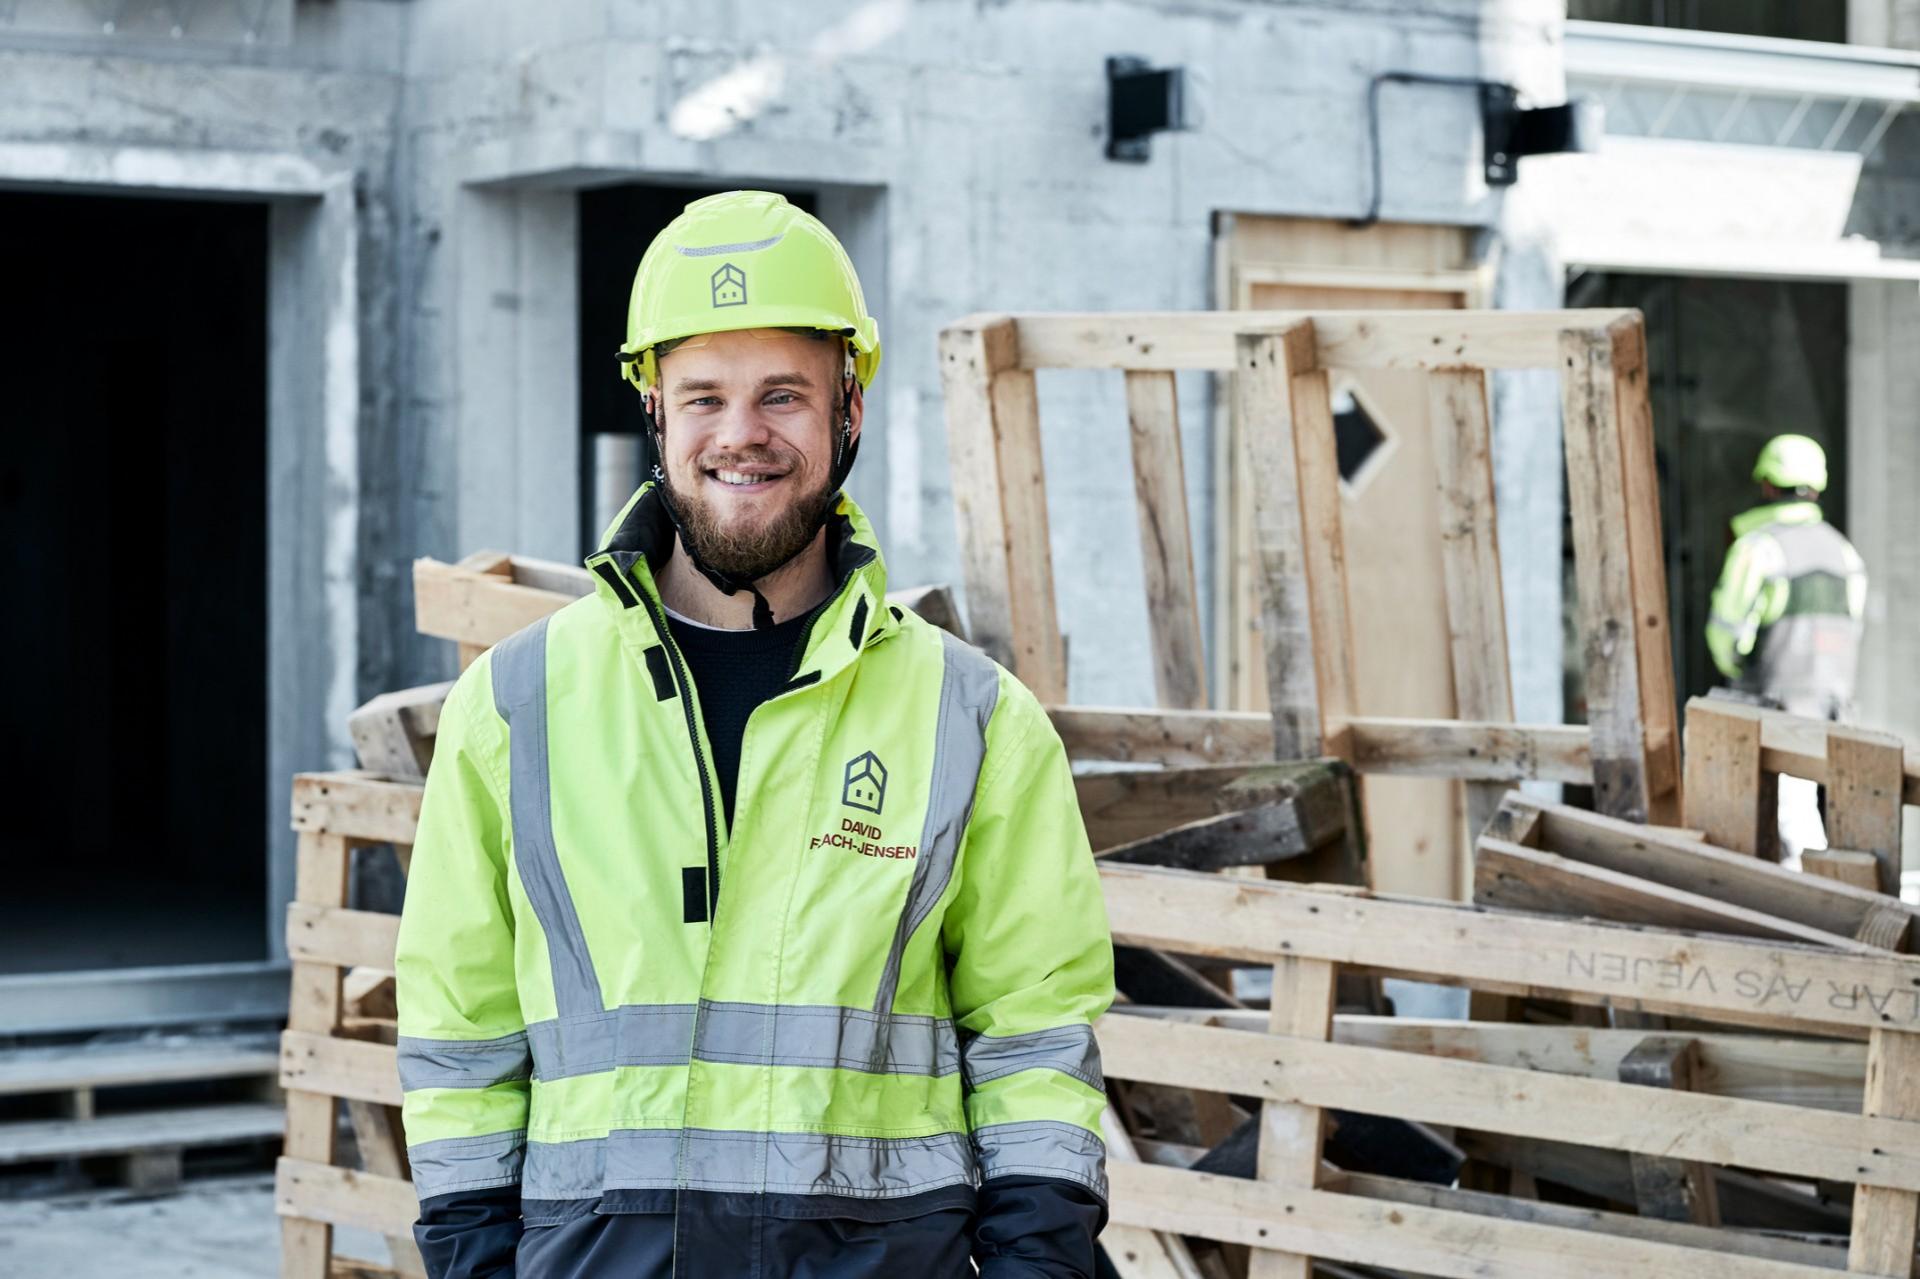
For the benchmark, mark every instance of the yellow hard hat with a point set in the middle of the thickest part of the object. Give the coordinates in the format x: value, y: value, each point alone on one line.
x: 744, y: 260
x: 1792, y: 462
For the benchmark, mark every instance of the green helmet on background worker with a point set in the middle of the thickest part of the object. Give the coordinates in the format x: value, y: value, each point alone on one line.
x: 745, y: 260
x: 1791, y: 462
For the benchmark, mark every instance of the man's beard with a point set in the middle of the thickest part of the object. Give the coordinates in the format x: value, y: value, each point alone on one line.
x: 749, y: 553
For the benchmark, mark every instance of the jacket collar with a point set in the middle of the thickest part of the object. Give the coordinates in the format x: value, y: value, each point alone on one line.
x: 1791, y: 511
x: 640, y: 541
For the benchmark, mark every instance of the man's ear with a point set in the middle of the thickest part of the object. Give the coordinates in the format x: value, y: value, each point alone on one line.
x: 856, y: 407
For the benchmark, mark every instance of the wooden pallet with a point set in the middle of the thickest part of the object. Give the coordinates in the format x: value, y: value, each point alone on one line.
x: 148, y: 1141
x: 1278, y: 363
x: 329, y: 1054
x: 1735, y: 753
x: 1304, y: 1065
x: 1558, y: 860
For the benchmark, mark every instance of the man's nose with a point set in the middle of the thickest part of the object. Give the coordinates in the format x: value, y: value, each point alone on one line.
x: 740, y: 425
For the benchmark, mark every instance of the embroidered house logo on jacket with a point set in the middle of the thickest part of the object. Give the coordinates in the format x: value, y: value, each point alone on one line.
x: 866, y: 784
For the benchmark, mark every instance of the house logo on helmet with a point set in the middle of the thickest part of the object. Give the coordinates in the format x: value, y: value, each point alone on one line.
x: 866, y: 783
x: 729, y: 286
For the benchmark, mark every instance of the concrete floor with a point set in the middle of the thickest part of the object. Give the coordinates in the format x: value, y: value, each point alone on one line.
x: 217, y: 1228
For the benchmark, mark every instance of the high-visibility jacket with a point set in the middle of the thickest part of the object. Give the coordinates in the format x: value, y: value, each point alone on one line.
x: 879, y: 983
x: 1787, y: 613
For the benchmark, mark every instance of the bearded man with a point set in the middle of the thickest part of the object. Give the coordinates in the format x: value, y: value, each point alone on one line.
x: 752, y: 929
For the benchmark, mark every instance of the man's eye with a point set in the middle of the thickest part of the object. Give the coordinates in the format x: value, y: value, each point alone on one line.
x: 781, y: 397
x: 705, y: 399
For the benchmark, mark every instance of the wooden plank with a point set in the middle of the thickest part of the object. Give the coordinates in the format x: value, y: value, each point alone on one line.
x: 1511, y: 1208
x: 1729, y: 798
x: 1597, y: 501
x: 1523, y: 1103
x: 1256, y: 836
x: 1193, y: 340
x: 1804, y: 989
x: 68, y: 1068
x: 1884, y: 1220
x: 376, y: 1133
x: 935, y: 605
x: 1134, y: 1252
x: 355, y: 804
x: 1300, y: 559
x: 1864, y: 779
x: 1264, y: 403
x: 476, y: 609
x: 1684, y: 863
x: 1887, y: 927
x: 1402, y: 747
x: 1169, y: 737
x: 1291, y: 1134
x: 1845, y: 866
x: 1166, y: 544
x: 1410, y: 1237
x: 337, y: 937
x: 316, y: 1192
x: 1646, y: 558
x: 1000, y: 503
x: 1820, y: 1074
x: 1120, y: 807
x: 174, y: 1127
x: 393, y: 734
x: 1470, y: 559
x: 347, y: 1068
x: 320, y: 882
x: 1508, y: 875
x: 1476, y: 751
x: 1670, y: 1189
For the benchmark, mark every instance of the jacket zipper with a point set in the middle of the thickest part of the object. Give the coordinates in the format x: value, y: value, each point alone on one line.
x: 685, y: 687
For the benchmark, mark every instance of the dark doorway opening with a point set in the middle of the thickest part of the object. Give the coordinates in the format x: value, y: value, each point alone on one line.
x: 134, y: 536
x: 616, y: 226
x: 1732, y: 363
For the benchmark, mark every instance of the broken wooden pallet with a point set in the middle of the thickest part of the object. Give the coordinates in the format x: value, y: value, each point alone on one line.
x: 1554, y: 859
x: 1735, y: 754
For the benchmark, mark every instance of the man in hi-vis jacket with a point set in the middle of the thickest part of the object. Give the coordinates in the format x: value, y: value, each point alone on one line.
x: 752, y: 929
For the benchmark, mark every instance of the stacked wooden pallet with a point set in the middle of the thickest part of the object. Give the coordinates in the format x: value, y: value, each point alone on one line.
x: 131, y: 1111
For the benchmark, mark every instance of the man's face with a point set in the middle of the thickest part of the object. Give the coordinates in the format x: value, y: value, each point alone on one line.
x: 751, y: 419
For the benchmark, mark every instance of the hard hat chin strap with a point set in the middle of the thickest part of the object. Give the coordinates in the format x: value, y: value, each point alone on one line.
x: 845, y: 448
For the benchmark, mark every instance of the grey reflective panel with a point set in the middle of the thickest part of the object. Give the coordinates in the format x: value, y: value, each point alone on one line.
x: 1071, y: 1050
x: 846, y: 1038
x: 467, y: 1163
x: 788, y: 1163
x: 969, y: 689
x: 756, y: 1034
x: 462, y: 1063
x: 631, y: 1035
x: 1043, y: 1148
x: 520, y: 695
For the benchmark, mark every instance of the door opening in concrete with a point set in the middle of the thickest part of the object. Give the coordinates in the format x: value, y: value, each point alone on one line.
x: 133, y: 520
x: 616, y: 226
x: 1732, y: 363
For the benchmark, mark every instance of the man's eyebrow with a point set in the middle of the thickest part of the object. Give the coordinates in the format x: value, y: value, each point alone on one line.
x: 687, y: 385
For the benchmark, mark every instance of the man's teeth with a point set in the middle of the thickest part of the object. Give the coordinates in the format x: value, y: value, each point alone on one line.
x: 741, y: 477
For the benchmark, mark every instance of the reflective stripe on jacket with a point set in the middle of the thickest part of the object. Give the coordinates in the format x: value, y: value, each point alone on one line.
x: 879, y: 983
x: 1787, y: 612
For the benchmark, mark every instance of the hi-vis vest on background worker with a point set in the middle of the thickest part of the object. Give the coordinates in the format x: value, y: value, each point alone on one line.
x: 872, y: 992
x: 1787, y: 613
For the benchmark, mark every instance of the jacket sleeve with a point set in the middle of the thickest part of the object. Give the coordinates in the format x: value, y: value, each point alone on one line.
x: 464, y: 1062
x: 1739, y: 600
x: 1030, y: 968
